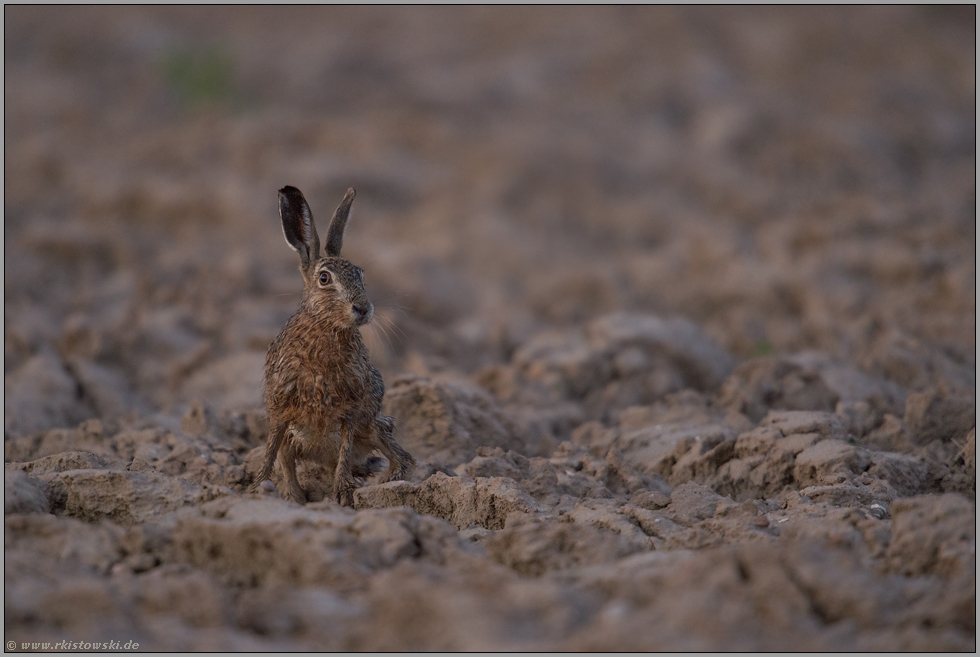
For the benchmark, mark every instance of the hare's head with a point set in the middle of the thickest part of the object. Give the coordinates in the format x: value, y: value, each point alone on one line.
x: 334, y: 286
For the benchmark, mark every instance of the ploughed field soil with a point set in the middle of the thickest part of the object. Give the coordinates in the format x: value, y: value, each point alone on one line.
x: 675, y: 309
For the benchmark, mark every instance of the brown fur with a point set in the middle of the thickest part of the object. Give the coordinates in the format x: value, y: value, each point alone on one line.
x: 322, y: 393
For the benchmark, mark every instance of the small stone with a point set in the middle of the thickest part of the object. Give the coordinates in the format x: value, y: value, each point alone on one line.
x: 879, y: 511
x: 760, y: 521
x: 475, y: 533
x: 268, y: 486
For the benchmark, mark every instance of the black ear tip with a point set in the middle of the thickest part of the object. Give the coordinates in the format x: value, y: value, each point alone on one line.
x: 290, y: 192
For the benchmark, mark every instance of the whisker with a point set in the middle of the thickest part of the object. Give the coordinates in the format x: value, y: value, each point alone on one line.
x: 384, y: 324
x: 393, y: 310
x: 375, y: 327
x: 391, y: 324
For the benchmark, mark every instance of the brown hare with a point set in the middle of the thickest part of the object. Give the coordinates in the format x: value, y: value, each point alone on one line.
x: 322, y: 393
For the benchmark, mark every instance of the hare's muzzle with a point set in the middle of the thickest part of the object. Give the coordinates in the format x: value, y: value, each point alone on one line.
x: 362, y: 312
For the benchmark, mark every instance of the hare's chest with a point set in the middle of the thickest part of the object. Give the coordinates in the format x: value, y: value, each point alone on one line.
x: 334, y: 399
x: 338, y: 389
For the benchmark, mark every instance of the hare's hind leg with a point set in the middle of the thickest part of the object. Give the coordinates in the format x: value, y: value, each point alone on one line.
x: 400, y: 462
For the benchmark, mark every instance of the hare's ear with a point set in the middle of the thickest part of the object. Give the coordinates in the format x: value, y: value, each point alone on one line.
x: 335, y: 233
x: 298, y: 226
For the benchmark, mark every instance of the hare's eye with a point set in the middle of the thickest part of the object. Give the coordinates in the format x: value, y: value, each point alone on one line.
x: 324, y: 278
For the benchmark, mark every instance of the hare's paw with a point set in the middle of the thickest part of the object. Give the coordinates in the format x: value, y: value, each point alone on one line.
x: 344, y: 493
x: 296, y: 494
x: 401, y: 465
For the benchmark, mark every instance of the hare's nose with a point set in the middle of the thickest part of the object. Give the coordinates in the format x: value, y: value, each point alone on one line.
x: 362, y: 310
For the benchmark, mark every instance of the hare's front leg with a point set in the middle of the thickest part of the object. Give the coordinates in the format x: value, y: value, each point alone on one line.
x: 277, y: 434
x: 287, y: 461
x: 343, y: 479
x: 400, y: 462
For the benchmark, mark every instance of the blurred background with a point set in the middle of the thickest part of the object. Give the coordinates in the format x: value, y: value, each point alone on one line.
x: 789, y: 178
